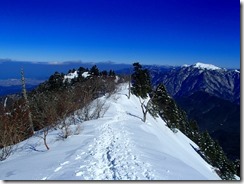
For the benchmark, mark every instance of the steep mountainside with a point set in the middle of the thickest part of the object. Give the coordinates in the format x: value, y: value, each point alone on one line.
x: 220, y: 117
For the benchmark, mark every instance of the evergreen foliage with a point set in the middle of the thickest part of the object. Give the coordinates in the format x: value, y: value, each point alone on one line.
x: 177, y: 119
x: 56, y: 80
x: 141, y: 82
x: 167, y: 108
x: 104, y: 73
x: 94, y: 70
x: 111, y: 73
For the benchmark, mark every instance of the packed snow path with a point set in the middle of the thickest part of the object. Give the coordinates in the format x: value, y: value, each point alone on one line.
x: 118, y: 146
x: 109, y: 156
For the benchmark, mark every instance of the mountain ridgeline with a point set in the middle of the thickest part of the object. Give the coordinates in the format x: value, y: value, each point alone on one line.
x: 186, y: 80
x: 62, y: 94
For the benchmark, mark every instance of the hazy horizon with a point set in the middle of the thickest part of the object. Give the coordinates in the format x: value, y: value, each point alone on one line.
x: 108, y: 62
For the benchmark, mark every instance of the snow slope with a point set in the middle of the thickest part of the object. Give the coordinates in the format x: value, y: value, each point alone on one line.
x: 118, y: 146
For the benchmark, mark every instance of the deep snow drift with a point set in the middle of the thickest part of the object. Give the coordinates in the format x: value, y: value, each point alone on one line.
x: 118, y: 146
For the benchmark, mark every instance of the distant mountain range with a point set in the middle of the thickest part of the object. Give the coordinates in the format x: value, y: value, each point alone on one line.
x: 186, y: 80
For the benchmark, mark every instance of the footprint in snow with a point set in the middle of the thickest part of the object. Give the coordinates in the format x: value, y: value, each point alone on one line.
x: 79, y: 173
x: 78, y: 157
x: 60, y: 167
x: 57, y: 169
x: 64, y: 163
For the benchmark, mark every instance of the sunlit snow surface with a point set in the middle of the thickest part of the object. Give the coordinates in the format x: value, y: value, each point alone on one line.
x: 70, y: 76
x: 118, y: 146
x: 85, y: 74
x: 206, y: 66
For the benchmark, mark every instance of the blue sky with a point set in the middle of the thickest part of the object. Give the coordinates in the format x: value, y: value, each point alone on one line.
x: 173, y: 32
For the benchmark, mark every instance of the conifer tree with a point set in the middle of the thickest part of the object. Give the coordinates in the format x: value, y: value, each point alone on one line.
x: 167, y: 108
x: 141, y: 87
x: 141, y: 82
x: 94, y: 70
x: 111, y: 73
x: 104, y: 73
x: 56, y: 80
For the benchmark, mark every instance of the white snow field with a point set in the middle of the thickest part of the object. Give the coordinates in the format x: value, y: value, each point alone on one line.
x: 118, y: 146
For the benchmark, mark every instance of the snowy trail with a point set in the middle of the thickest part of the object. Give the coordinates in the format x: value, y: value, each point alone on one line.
x: 110, y: 155
x: 118, y: 146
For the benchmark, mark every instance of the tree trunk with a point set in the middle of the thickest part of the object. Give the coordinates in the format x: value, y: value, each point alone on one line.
x: 45, y: 133
x: 144, y: 111
x: 45, y: 143
x: 129, y: 87
x: 144, y: 116
x: 26, y: 101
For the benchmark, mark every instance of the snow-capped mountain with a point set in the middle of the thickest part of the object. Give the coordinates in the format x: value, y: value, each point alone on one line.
x: 117, y: 146
x: 186, y: 80
x: 206, y: 66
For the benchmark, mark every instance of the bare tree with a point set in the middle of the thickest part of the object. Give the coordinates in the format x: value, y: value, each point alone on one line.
x: 144, y: 109
x: 93, y: 110
x: 45, y: 133
x: 6, y: 142
x: 27, y: 101
x: 129, y: 91
x: 11, y: 130
x: 44, y: 136
x: 99, y: 109
x: 64, y: 126
x: 44, y: 114
x: 147, y: 107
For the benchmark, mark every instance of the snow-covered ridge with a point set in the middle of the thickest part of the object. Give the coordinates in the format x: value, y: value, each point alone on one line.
x: 185, y: 65
x: 117, y: 146
x: 206, y: 66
